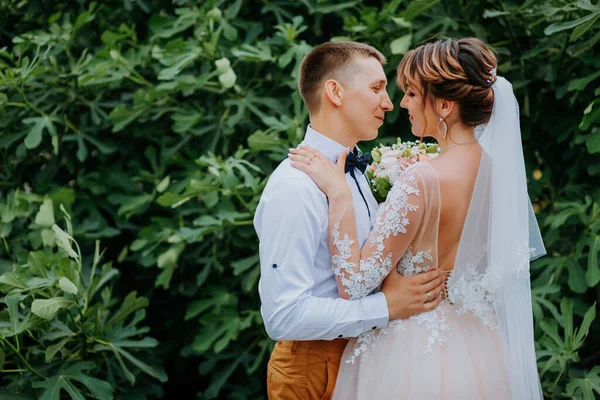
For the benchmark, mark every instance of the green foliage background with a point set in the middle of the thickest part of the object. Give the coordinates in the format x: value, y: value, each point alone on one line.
x: 136, y: 137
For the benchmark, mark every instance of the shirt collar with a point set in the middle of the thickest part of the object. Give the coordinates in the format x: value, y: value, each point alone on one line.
x: 328, y: 147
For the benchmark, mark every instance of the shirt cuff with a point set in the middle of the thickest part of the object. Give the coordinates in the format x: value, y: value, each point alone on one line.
x: 376, y: 314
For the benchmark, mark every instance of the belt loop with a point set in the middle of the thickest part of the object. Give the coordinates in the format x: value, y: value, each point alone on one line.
x: 294, y: 345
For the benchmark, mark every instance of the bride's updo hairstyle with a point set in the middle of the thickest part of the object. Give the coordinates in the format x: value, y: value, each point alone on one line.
x: 457, y: 70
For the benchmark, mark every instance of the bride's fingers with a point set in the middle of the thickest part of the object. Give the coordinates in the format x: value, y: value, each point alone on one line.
x: 311, y: 150
x: 298, y: 158
x: 342, y: 159
x: 432, y: 304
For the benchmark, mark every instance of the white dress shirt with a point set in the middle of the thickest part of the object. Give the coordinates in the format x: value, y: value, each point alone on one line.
x: 297, y: 287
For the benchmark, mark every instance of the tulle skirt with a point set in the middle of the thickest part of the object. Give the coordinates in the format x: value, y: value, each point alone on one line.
x: 438, y: 355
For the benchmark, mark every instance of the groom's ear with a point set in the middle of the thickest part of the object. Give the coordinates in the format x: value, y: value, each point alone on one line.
x: 334, y: 92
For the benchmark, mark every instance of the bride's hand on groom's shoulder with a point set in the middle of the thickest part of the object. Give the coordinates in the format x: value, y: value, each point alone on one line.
x: 327, y: 175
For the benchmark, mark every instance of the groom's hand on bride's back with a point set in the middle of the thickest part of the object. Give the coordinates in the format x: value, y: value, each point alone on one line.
x: 408, y: 295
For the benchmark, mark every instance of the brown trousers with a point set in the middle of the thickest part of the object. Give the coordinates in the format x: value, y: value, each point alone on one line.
x: 304, y: 370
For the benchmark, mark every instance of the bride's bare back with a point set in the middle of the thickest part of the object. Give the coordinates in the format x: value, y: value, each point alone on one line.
x: 457, y: 172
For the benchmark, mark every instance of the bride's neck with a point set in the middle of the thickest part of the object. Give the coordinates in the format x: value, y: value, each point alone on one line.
x: 457, y: 134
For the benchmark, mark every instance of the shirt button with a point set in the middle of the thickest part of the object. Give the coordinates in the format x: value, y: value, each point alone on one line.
x: 340, y: 336
x: 274, y: 265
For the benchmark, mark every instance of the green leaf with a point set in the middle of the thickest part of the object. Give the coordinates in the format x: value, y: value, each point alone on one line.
x: 592, y: 275
x: 67, y: 286
x: 55, y: 348
x: 581, y: 83
x: 561, y: 26
x: 38, y: 263
x: 185, y: 119
x: 129, y: 305
x: 584, y: 388
x: 165, y: 26
x: 63, y: 240
x: 11, y: 280
x: 169, y: 258
x: 46, y: 309
x: 5, y: 394
x: 45, y: 216
x: 66, y: 379
x: 34, y: 136
x: 196, y: 307
x: 577, y: 281
x: 17, y: 325
x: 401, y: 45
x: 244, y: 264
x: 163, y: 184
x: 155, y: 372
x: 590, y: 116
x: 581, y: 29
x: 122, y: 116
x: 583, y: 330
x: 416, y: 8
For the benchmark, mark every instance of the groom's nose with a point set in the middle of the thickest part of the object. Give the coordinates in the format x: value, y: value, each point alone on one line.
x: 387, y: 104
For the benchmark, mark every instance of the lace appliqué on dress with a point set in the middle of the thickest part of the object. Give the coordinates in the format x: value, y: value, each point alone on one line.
x: 435, y: 322
x: 371, y: 272
x: 391, y: 220
x: 406, y: 265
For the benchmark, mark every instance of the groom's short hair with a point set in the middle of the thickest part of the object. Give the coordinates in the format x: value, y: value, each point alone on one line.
x: 323, y: 62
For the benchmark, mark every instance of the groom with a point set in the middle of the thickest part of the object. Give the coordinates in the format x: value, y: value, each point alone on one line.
x: 344, y: 88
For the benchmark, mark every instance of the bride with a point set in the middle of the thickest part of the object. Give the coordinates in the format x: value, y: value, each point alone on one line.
x: 465, y: 212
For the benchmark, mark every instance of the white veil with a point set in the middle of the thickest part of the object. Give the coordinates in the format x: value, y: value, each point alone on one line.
x: 500, y: 237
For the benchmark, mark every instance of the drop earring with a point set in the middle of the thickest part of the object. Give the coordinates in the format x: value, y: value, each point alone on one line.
x: 444, y: 131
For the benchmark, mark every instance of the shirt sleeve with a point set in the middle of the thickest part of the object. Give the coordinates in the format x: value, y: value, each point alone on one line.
x: 290, y: 222
x: 360, y: 271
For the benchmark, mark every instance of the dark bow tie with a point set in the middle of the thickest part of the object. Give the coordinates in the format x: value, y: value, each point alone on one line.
x: 360, y: 161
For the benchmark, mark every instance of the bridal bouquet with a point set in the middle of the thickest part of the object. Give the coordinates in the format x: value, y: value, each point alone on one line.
x: 390, y: 161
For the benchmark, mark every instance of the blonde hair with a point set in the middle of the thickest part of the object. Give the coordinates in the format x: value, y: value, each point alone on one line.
x: 323, y: 62
x: 457, y: 70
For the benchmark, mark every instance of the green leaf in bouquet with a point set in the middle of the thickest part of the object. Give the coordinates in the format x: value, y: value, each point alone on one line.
x: 382, y: 187
x: 66, y: 379
x: 46, y: 309
x: 45, y: 215
x: 585, y: 387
